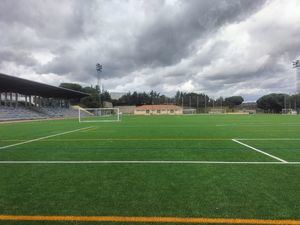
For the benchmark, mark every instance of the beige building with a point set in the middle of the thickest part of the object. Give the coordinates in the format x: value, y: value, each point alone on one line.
x: 158, y: 110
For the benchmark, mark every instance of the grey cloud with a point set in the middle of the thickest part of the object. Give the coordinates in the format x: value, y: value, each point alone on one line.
x: 166, y: 39
x: 20, y: 57
x: 152, y: 44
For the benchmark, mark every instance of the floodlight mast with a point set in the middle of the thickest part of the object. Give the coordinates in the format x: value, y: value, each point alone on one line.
x: 99, y: 70
x: 296, y: 65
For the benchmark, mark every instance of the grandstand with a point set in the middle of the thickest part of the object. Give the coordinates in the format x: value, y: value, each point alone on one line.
x: 22, y: 99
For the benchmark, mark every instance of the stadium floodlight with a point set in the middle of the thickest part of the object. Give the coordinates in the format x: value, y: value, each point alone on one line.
x: 296, y: 64
x: 99, y: 68
x: 99, y: 115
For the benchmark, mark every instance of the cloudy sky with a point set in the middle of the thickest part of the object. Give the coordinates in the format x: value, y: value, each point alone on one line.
x: 220, y: 47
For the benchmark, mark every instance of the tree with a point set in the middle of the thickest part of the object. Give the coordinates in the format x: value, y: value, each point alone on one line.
x: 272, y: 102
x: 105, y: 96
x: 91, y: 101
x: 72, y: 86
x: 233, y: 101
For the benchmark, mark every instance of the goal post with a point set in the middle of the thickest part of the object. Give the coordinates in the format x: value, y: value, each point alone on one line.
x: 217, y: 111
x: 189, y: 111
x: 99, y: 115
x: 288, y: 112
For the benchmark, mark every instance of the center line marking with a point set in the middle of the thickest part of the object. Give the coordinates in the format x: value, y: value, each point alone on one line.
x: 255, y: 149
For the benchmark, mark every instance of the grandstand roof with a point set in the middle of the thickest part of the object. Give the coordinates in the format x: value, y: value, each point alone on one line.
x: 28, y: 87
x: 158, y: 107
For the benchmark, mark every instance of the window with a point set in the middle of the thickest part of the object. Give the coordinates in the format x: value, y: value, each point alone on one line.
x: 158, y: 111
x: 147, y: 111
x: 172, y: 111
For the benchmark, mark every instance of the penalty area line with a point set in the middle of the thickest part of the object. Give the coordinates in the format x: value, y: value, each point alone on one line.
x: 45, y: 137
x: 148, y: 219
x: 260, y: 151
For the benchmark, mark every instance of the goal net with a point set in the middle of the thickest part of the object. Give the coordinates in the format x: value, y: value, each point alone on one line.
x: 217, y: 111
x: 189, y: 111
x: 289, y: 112
x: 99, y: 114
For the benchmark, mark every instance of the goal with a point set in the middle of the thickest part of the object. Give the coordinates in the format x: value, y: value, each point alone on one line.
x: 189, y: 111
x: 216, y: 111
x: 289, y: 112
x: 99, y: 115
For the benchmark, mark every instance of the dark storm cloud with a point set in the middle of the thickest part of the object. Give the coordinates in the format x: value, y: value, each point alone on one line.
x: 218, y: 46
x: 170, y: 37
x: 162, y: 41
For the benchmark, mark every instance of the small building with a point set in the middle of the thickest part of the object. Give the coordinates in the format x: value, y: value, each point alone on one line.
x: 158, y: 110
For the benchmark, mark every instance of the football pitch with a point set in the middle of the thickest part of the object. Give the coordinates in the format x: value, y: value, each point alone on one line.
x: 221, y: 169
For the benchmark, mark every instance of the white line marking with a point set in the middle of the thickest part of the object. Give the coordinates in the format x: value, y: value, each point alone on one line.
x: 254, y: 125
x: 160, y: 139
x: 267, y: 139
x: 142, y: 162
x: 41, y: 138
x: 255, y: 149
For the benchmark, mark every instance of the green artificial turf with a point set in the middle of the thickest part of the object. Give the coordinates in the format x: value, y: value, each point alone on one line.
x: 261, y: 191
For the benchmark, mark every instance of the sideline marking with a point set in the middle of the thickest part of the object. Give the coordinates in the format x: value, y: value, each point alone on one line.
x: 41, y: 138
x: 257, y: 125
x: 159, y: 139
x: 267, y: 139
x: 144, y: 162
x: 145, y: 219
x: 131, y: 139
x: 255, y: 149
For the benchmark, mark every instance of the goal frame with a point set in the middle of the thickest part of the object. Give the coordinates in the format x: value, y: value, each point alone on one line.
x: 189, y: 111
x: 100, y: 121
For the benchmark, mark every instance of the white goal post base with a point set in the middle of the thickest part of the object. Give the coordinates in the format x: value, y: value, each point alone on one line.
x: 96, y: 115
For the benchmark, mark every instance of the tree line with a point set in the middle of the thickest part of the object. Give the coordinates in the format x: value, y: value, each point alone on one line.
x: 94, y: 100
x: 271, y: 103
x: 184, y: 99
x: 275, y: 103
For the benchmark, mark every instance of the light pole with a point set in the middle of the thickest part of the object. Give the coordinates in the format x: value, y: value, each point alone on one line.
x: 99, y: 70
x: 296, y: 65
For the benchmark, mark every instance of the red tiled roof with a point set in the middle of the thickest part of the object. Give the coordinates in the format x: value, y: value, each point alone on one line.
x: 158, y: 107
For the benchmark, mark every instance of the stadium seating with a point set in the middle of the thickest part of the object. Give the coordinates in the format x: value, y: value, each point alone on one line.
x: 18, y: 113
x: 57, y: 112
x: 28, y: 113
